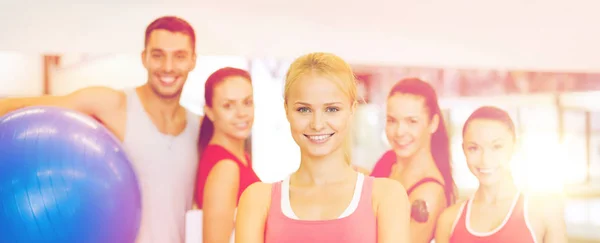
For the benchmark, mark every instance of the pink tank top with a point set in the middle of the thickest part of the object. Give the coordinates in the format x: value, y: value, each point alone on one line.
x: 515, y: 228
x: 358, y: 224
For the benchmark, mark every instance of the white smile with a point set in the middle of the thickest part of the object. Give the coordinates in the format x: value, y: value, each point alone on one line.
x: 167, y: 79
x: 487, y: 171
x: 319, y: 138
x: 241, y: 125
x: 403, y: 143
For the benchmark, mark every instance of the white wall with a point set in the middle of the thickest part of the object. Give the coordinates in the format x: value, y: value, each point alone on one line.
x: 78, y: 71
x: 275, y: 154
x: 585, y: 100
x: 552, y: 34
x: 21, y: 74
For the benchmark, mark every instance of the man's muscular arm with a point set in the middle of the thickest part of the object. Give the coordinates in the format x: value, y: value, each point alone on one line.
x: 93, y: 101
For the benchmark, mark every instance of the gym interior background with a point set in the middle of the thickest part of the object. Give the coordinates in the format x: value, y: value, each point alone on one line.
x: 541, y: 68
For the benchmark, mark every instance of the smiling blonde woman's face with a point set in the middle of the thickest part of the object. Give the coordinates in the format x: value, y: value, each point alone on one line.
x: 319, y: 113
x: 320, y: 95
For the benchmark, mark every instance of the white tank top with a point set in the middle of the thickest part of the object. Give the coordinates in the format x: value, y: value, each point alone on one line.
x: 165, y: 166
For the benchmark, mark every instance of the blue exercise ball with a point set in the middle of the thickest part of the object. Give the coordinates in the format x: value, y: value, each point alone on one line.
x: 64, y: 178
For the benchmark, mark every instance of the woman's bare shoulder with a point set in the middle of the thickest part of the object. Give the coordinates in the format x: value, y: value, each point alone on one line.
x: 382, y: 186
x: 256, y: 197
x: 544, y: 206
x: 450, y: 213
x: 387, y: 189
x: 258, y: 190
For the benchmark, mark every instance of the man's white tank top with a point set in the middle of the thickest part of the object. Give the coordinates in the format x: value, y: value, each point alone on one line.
x: 165, y: 166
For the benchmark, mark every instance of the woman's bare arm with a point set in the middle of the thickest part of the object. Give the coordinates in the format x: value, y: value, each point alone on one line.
x: 219, y: 202
x: 393, y: 211
x: 553, y: 214
x: 252, y: 213
x: 430, y: 200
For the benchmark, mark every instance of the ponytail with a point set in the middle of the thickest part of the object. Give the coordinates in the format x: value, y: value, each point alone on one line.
x: 440, y: 150
x: 206, y: 132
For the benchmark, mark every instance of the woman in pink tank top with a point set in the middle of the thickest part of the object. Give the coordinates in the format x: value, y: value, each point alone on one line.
x: 498, y: 212
x: 325, y: 200
x: 225, y: 167
x: 420, y: 155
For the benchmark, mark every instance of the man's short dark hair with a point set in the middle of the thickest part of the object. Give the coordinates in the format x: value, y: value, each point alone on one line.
x: 172, y: 24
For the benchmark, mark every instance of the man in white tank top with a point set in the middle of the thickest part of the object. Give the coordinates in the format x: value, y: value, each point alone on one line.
x: 159, y: 135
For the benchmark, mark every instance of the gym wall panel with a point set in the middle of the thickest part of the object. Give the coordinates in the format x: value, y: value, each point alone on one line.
x: 21, y: 74
x: 77, y: 71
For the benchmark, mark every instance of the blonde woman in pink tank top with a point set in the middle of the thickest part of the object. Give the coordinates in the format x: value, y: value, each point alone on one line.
x: 325, y: 200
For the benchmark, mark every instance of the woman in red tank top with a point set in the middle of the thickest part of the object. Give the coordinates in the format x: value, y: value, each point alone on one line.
x: 225, y: 167
x: 498, y: 211
x: 325, y: 200
x: 420, y: 154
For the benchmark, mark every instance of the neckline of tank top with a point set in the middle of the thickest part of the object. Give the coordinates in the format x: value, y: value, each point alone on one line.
x: 507, y: 217
x: 288, y: 212
x: 247, y: 157
x: 138, y: 100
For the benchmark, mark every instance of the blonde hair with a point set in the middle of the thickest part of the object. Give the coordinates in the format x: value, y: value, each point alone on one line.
x: 329, y: 65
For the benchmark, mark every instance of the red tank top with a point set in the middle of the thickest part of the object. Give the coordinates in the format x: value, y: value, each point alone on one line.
x: 210, y: 157
x: 515, y: 228
x: 384, y: 165
x: 358, y: 226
